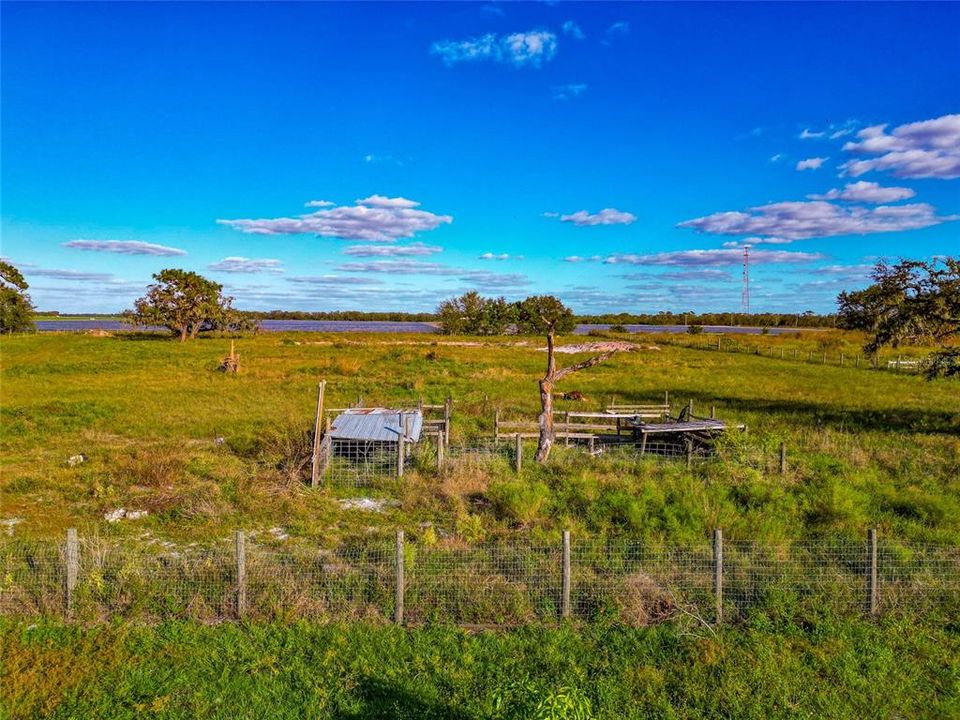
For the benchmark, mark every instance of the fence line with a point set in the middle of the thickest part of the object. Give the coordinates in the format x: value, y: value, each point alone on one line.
x: 632, y: 582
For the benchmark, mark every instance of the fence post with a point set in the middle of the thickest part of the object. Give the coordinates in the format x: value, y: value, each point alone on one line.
x: 690, y: 409
x: 713, y: 412
x: 241, y: 574
x: 858, y: 362
x: 718, y: 341
x: 718, y: 572
x: 518, y: 452
x: 314, y: 468
x: 824, y: 359
x: 783, y: 458
x: 565, y: 598
x: 898, y: 363
x: 72, y: 559
x: 496, y: 426
x: 398, y: 604
x: 400, y: 452
x: 841, y: 359
x: 872, y: 571
x: 447, y: 413
x: 439, y: 452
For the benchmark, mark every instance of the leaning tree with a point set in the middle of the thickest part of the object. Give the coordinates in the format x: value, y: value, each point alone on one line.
x: 185, y: 303
x: 546, y: 315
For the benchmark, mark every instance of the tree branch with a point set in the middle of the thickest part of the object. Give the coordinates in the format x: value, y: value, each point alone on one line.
x: 595, y: 360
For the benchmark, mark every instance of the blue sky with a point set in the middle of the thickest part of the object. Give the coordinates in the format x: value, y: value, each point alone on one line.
x: 617, y: 155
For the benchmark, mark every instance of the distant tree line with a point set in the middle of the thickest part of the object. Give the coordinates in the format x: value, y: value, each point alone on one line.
x: 351, y: 315
x: 807, y: 319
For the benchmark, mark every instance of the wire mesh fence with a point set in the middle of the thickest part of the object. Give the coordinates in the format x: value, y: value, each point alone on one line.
x: 631, y: 582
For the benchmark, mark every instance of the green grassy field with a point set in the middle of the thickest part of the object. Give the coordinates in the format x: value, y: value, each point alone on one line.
x: 764, y: 670
x: 865, y: 448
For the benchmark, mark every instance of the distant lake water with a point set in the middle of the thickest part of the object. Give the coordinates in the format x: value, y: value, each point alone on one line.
x: 374, y: 326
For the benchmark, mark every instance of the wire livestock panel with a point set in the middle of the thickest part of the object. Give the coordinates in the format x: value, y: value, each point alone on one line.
x: 637, y: 583
x: 502, y: 585
x: 631, y: 582
x: 32, y: 578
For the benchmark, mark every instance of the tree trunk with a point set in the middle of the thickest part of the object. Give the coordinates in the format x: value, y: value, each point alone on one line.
x: 545, y: 441
x: 546, y: 420
x: 183, y: 333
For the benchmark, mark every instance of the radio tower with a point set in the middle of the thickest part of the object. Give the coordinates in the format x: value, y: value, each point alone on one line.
x: 745, y: 292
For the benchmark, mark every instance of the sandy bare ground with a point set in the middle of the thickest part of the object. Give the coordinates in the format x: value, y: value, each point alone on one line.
x: 604, y: 346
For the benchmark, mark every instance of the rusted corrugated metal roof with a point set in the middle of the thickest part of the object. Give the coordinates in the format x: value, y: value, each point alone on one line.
x: 377, y: 424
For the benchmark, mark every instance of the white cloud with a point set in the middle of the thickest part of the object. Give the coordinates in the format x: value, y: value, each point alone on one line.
x: 412, y: 250
x: 522, y: 49
x: 807, y: 134
x: 32, y: 272
x: 478, y: 278
x: 247, y: 265
x: 926, y: 149
x: 698, y: 258
x: 565, y: 92
x: 333, y: 280
x: 814, y: 219
x: 619, y: 28
x: 319, y: 203
x: 580, y: 259
x: 777, y: 158
x: 868, y: 192
x: 499, y: 256
x: 125, y: 247
x: 573, y: 30
x: 813, y: 163
x: 607, y: 216
x: 376, y: 218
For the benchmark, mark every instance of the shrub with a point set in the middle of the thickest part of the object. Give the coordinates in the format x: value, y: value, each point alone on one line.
x: 518, y: 500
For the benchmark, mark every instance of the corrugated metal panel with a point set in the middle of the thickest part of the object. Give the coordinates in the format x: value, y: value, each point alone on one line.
x: 377, y: 424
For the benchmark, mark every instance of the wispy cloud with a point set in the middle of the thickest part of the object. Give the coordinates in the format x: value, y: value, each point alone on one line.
x: 607, y: 216
x: 573, y: 30
x: 813, y: 163
x: 815, y: 219
x: 125, y: 247
x: 247, y: 265
x: 412, y: 250
x: 619, y: 28
x: 925, y: 149
x: 868, y: 192
x: 478, y: 278
x: 376, y: 218
x: 808, y: 134
x: 333, y: 280
x: 57, y: 274
x: 499, y: 256
x: 566, y: 92
x: 319, y: 203
x: 522, y: 49
x: 697, y: 258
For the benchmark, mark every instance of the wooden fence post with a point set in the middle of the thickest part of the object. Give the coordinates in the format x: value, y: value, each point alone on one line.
x: 72, y: 559
x: 824, y: 359
x: 566, y: 421
x: 718, y: 572
x: 518, y: 452
x: 565, y: 597
x: 858, y: 362
x: 440, y: 452
x: 872, y: 571
x: 447, y: 413
x: 690, y: 409
x: 718, y: 341
x: 400, y: 452
x: 496, y: 426
x: 241, y: 574
x: 314, y: 468
x: 713, y: 412
x: 398, y: 604
x: 783, y: 458
x: 898, y: 363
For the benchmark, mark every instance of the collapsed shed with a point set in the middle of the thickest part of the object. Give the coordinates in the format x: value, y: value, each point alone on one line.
x: 371, y: 437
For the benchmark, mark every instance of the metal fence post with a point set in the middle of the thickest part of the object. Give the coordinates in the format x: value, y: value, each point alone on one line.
x: 783, y: 458
x: 872, y: 571
x: 72, y: 559
x: 518, y: 452
x: 398, y: 604
x: 565, y: 589
x: 718, y: 572
x: 241, y: 574
x: 314, y: 468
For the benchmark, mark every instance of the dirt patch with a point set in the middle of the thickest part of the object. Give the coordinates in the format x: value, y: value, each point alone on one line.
x: 601, y: 347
